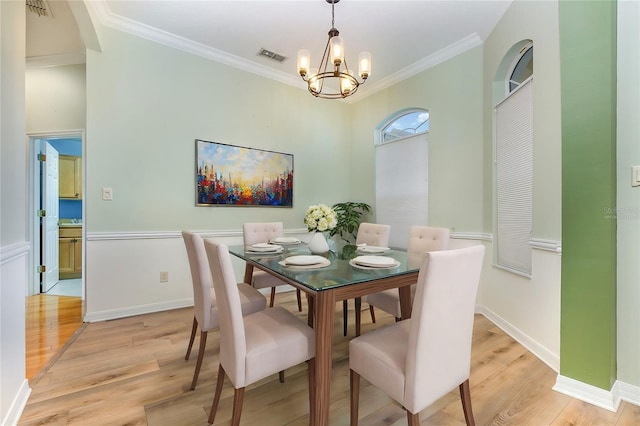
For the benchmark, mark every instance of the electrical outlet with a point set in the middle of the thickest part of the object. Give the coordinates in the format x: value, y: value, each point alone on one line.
x: 164, y: 276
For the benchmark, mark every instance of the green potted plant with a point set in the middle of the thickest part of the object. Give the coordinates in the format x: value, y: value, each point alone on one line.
x: 349, y: 217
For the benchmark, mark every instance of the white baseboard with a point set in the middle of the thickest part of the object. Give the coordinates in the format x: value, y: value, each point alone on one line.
x: 532, y: 345
x: 137, y: 310
x: 17, y: 406
x: 609, y: 400
x: 627, y: 392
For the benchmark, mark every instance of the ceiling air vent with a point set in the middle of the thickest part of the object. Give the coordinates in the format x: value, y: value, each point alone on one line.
x: 39, y: 7
x: 272, y: 55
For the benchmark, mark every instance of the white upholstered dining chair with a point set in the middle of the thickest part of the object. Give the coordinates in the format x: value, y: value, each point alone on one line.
x: 370, y: 234
x: 255, y: 346
x: 421, y: 240
x: 419, y: 360
x: 205, y: 305
x: 263, y: 232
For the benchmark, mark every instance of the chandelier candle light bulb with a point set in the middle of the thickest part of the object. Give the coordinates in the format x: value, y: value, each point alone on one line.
x: 337, y: 51
x: 364, y: 58
x: 304, y: 61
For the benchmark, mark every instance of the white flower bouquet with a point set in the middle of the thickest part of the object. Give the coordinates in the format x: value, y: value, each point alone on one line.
x: 321, y: 218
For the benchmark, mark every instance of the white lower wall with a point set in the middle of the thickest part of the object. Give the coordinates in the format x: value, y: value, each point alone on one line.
x: 13, y: 285
x: 122, y: 275
x: 122, y: 271
x: 528, y: 309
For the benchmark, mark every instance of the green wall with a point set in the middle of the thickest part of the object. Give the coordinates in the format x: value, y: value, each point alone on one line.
x: 146, y: 105
x: 588, y: 305
x: 453, y: 96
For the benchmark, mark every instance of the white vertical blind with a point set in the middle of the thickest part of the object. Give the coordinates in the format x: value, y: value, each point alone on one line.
x: 514, y: 179
x: 402, y: 186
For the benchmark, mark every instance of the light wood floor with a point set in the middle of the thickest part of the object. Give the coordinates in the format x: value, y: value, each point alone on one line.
x: 132, y: 371
x: 50, y: 322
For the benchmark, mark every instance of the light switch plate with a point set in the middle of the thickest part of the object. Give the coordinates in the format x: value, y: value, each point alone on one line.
x: 107, y: 194
x: 635, y: 176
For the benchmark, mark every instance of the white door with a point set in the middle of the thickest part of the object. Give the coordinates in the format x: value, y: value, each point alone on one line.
x: 50, y: 220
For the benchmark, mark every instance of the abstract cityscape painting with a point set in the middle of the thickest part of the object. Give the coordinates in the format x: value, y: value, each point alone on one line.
x: 229, y: 175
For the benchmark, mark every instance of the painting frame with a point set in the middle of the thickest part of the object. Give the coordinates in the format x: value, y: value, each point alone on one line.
x: 232, y: 175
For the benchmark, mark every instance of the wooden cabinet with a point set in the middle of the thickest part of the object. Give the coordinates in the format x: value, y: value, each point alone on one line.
x: 70, y: 256
x: 70, y: 177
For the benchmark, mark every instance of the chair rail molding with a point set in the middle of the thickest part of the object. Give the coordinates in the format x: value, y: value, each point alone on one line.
x: 547, y: 245
x: 479, y: 236
x: 160, y: 235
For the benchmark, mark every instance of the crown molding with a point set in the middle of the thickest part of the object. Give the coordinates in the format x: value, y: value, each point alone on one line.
x: 56, y: 60
x: 442, y: 55
x: 111, y: 20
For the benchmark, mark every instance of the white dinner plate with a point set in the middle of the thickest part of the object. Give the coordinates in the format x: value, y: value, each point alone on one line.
x: 319, y: 264
x: 264, y: 248
x: 304, y: 260
x: 286, y: 240
x: 373, y: 249
x: 375, y: 261
x: 264, y: 252
x: 372, y: 268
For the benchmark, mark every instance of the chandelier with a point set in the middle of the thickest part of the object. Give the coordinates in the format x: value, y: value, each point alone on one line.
x: 333, y: 81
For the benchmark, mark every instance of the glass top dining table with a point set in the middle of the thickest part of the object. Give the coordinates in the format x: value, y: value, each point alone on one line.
x: 339, y: 280
x: 341, y: 271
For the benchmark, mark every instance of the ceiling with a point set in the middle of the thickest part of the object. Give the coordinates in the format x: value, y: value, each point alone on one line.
x: 404, y: 37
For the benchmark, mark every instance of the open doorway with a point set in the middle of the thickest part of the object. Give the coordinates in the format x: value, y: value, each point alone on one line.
x: 57, y: 213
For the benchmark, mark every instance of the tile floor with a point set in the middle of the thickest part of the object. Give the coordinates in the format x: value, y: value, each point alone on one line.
x: 72, y: 287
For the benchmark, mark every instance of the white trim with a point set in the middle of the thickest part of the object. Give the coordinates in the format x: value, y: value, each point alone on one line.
x: 609, y: 400
x: 442, y: 55
x: 546, y: 245
x: 155, y: 235
x: 147, y: 32
x: 627, y: 392
x: 17, y: 405
x: 542, y: 353
x: 12, y: 252
x: 56, y: 60
x: 472, y: 236
x: 138, y: 310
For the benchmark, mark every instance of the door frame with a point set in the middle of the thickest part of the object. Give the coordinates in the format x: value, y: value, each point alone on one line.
x: 33, y: 179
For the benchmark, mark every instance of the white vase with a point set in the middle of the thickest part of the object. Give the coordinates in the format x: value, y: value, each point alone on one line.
x: 318, y: 244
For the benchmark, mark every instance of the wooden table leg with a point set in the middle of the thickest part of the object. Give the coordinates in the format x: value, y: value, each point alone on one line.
x: 311, y: 311
x: 248, y: 273
x: 405, y: 301
x: 325, y: 308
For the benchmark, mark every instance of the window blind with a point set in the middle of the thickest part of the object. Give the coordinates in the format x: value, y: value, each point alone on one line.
x: 402, y: 186
x: 514, y: 179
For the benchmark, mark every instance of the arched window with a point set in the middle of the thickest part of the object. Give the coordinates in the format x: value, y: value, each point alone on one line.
x: 521, y: 68
x: 408, y: 123
x: 402, y: 172
x: 514, y: 161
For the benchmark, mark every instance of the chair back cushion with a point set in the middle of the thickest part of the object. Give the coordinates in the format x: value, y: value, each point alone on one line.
x: 203, y: 298
x: 373, y: 234
x: 439, y: 345
x: 427, y: 238
x: 233, y: 348
x: 261, y: 232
